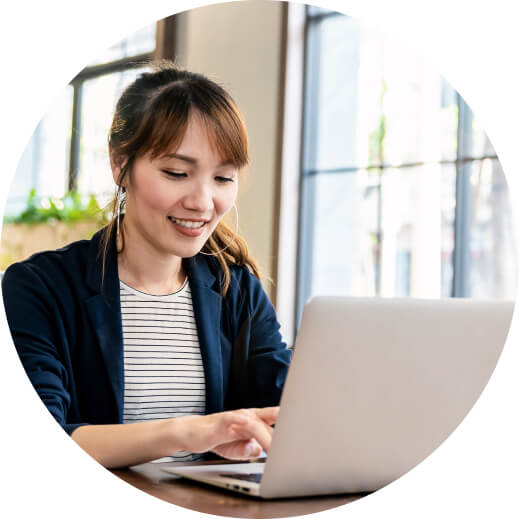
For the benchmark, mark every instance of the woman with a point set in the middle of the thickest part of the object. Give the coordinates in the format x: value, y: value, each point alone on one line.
x: 153, y: 338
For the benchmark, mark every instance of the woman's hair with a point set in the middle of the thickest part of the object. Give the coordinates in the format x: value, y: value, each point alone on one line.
x: 152, y: 116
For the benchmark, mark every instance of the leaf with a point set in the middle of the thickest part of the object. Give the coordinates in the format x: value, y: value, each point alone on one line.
x: 70, y: 208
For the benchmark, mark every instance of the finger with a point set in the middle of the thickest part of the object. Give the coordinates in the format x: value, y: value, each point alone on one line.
x: 243, y: 424
x: 233, y: 450
x: 239, y: 450
x: 268, y: 414
x: 257, y: 429
x: 249, y: 448
x: 253, y: 449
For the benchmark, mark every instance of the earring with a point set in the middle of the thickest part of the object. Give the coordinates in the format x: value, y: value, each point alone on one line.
x: 233, y: 237
x: 121, y: 199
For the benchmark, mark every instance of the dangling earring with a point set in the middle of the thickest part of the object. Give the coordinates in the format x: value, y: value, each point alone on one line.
x: 233, y: 237
x: 121, y: 200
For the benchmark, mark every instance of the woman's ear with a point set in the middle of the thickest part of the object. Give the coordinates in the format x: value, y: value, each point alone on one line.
x: 117, y: 162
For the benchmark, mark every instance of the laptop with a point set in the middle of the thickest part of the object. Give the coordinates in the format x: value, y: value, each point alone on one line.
x: 375, y: 385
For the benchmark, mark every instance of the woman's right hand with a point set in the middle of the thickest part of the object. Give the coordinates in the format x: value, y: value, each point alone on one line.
x: 240, y: 434
x: 236, y: 435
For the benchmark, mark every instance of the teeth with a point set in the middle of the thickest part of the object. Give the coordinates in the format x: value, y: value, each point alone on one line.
x: 187, y: 223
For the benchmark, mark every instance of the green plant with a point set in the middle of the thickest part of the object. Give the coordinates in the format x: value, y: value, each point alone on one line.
x: 70, y: 208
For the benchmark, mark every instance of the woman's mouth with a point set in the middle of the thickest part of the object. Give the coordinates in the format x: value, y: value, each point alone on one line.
x: 187, y: 227
x: 189, y: 224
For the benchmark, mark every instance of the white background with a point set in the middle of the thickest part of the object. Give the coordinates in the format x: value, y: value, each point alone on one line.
x: 473, y: 44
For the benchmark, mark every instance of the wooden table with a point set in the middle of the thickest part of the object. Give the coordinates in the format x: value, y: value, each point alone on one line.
x: 203, y: 498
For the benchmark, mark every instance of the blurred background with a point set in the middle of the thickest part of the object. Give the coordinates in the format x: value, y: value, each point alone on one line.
x: 369, y: 174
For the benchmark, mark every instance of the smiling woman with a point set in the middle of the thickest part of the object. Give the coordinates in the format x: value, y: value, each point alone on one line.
x: 155, y: 339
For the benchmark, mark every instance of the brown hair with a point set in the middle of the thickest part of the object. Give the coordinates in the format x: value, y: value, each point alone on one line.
x: 152, y: 116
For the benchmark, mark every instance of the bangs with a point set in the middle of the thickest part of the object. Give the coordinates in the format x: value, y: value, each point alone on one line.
x: 167, y: 117
x: 228, y: 139
x: 164, y: 122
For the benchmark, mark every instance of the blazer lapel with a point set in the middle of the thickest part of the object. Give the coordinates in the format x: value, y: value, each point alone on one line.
x: 104, y: 310
x: 105, y: 316
x: 207, y: 306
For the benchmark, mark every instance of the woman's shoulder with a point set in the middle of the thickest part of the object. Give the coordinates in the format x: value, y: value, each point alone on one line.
x: 241, y: 275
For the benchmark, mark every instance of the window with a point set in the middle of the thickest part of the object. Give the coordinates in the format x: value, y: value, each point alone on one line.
x: 99, y: 94
x: 402, y: 193
x: 68, y: 150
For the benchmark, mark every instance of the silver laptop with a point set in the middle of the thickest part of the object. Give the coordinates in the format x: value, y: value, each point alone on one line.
x: 375, y: 385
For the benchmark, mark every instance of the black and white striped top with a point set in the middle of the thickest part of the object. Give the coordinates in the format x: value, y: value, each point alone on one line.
x: 163, y: 371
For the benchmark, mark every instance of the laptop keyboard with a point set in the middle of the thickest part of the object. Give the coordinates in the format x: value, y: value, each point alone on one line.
x: 253, y: 477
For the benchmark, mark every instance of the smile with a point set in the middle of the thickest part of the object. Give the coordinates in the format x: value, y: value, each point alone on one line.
x: 188, y: 224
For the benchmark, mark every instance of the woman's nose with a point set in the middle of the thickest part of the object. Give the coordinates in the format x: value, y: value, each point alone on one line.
x: 199, y: 199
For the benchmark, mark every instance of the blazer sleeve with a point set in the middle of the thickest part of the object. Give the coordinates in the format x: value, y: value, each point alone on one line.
x: 261, y: 358
x: 39, y: 338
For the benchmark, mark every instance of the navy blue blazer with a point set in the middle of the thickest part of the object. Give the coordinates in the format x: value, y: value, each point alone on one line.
x: 66, y: 326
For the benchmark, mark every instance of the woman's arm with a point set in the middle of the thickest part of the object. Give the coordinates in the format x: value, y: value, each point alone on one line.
x: 240, y: 434
x: 260, y: 357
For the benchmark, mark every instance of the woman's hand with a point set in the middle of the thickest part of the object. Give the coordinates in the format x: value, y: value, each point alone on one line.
x: 240, y: 434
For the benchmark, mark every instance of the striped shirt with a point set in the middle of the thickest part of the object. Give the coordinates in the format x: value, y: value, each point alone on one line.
x: 163, y: 371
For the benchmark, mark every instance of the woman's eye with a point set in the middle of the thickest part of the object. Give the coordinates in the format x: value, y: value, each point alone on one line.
x: 174, y: 174
x: 223, y: 180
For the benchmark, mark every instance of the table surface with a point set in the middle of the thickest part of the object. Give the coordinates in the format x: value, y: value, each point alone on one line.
x: 150, y: 478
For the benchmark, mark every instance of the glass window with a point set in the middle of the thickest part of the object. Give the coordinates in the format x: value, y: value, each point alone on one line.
x: 46, y: 165
x: 140, y: 42
x: 402, y: 193
x: 416, y: 225
x: 448, y: 215
x: 345, y: 219
x: 370, y: 103
x: 481, y: 145
x: 99, y: 98
x: 45, y: 162
x: 333, y: 108
x: 493, y: 251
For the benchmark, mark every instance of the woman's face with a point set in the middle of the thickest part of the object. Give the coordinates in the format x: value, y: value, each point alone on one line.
x: 175, y: 202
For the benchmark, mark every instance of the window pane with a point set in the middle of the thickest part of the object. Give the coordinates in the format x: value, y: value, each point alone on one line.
x: 417, y: 232
x: 139, y: 42
x: 493, y: 251
x: 369, y: 101
x: 419, y: 110
x: 417, y: 227
x: 332, y: 94
x: 343, y: 230
x: 448, y: 214
x: 481, y: 145
x: 45, y: 160
x: 99, y: 98
x: 473, y: 141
